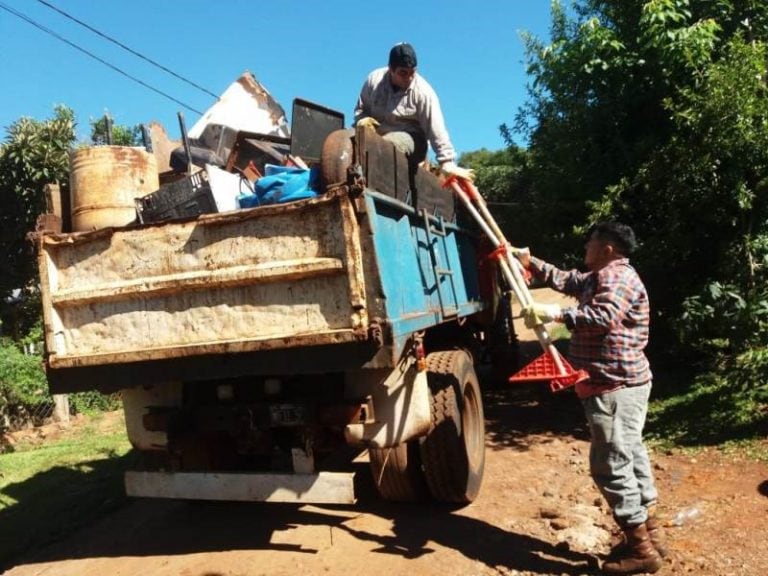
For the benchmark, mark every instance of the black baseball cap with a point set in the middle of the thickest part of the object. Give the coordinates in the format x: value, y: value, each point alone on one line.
x: 402, y: 56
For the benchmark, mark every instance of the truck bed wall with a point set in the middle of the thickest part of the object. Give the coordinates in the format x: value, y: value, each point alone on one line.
x: 328, y: 284
x: 228, y: 282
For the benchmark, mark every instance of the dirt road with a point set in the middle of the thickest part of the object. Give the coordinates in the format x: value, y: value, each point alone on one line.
x: 537, y: 513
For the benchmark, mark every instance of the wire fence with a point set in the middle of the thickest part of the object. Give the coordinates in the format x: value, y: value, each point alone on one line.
x: 23, y: 416
x: 20, y: 416
x: 25, y: 400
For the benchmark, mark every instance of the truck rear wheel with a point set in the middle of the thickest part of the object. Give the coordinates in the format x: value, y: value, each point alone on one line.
x: 397, y: 472
x: 453, y: 452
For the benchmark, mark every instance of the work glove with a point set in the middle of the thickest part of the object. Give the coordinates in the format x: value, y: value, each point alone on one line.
x: 368, y: 122
x: 523, y: 255
x: 538, y: 314
x: 450, y: 169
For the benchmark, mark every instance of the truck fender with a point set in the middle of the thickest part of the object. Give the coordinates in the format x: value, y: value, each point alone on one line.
x: 137, y: 402
x: 401, y: 409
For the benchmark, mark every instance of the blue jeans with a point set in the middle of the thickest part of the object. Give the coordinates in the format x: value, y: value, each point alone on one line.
x: 618, y: 459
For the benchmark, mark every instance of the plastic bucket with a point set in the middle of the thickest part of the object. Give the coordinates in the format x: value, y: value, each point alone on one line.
x: 105, y: 180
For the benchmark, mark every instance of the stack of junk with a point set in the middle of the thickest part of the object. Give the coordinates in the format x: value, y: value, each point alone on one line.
x: 240, y: 154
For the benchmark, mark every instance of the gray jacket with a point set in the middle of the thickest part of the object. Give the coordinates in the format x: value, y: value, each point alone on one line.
x: 415, y: 110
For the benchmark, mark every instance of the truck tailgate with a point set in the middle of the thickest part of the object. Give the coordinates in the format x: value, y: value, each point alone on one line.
x: 271, y: 277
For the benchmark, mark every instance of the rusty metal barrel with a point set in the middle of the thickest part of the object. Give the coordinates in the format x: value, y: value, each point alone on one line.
x: 104, y: 182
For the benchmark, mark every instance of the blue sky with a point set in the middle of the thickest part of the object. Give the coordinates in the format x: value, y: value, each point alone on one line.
x: 471, y: 53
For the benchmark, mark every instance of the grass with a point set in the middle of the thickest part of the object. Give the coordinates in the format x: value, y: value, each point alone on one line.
x: 711, y: 413
x: 699, y: 412
x: 47, y: 489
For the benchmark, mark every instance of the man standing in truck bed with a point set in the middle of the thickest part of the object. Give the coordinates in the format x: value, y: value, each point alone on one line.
x: 402, y: 107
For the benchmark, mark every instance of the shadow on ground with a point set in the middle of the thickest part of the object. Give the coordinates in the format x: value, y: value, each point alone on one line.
x: 415, y: 526
x: 517, y: 413
x: 53, y: 504
x: 515, y: 417
x: 146, y: 528
x: 113, y: 526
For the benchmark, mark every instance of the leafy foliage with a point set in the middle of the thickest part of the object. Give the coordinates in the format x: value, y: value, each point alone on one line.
x: 24, y: 392
x: 92, y: 402
x: 655, y: 113
x: 22, y: 384
x: 504, y: 178
x: 35, y: 153
x: 712, y: 411
x: 21, y: 375
x: 121, y: 135
x: 701, y: 200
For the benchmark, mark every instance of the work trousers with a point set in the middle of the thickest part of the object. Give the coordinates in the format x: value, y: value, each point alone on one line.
x: 412, y: 145
x: 618, y: 458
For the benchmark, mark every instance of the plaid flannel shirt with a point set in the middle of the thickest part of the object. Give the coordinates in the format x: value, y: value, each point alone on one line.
x: 609, y: 327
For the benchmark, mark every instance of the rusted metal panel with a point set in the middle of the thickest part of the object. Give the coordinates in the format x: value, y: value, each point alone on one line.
x: 273, y: 277
x: 48, y: 223
x: 105, y: 180
x: 149, y: 352
x: 385, y: 168
x: 387, y: 171
x: 234, y: 276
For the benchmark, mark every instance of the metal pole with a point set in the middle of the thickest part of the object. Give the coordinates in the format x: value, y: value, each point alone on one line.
x: 108, y: 128
x: 185, y: 140
x: 146, y: 138
x: 510, y: 266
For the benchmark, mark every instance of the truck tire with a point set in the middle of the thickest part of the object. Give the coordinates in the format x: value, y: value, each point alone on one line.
x: 397, y: 472
x: 453, y: 453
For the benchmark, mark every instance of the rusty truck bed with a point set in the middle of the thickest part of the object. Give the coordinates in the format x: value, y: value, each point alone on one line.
x: 276, y: 276
x: 327, y: 284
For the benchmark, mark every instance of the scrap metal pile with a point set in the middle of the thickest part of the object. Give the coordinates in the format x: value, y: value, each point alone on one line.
x: 241, y: 153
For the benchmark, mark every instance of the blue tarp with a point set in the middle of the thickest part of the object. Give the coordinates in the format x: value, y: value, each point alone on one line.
x: 282, y: 184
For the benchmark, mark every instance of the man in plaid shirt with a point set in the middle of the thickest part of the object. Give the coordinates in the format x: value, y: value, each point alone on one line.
x: 609, y: 332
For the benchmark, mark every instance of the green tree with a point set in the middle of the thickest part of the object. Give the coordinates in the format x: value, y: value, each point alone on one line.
x: 653, y: 112
x: 506, y: 180
x: 502, y: 177
x: 121, y: 135
x: 596, y: 109
x: 703, y: 199
x: 34, y: 153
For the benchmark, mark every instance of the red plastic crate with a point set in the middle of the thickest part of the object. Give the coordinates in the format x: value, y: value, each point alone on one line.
x: 544, y: 368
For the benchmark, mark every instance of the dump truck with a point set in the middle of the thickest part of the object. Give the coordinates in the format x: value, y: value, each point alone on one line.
x: 257, y: 351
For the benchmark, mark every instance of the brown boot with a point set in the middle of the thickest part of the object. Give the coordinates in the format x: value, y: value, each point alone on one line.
x: 618, y: 545
x: 638, y: 557
x: 656, y: 533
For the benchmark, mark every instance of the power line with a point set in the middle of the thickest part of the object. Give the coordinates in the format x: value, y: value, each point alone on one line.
x: 84, y: 51
x: 128, y: 49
